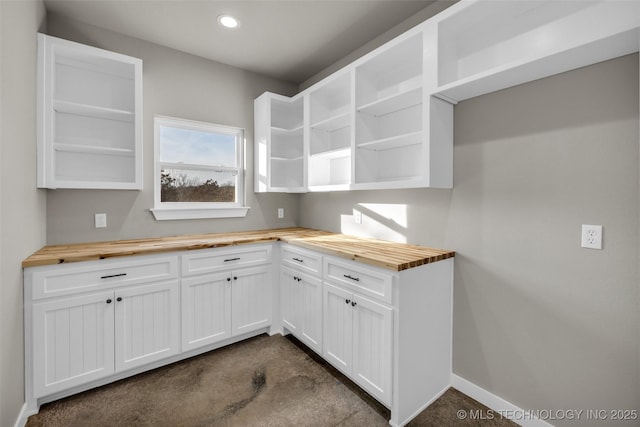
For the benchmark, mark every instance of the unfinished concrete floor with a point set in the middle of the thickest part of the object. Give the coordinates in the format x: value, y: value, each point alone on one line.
x: 263, y: 381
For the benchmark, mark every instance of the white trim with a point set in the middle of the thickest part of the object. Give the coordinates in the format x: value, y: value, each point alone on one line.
x: 199, y: 210
x: 23, y: 416
x: 496, y: 403
x: 162, y: 214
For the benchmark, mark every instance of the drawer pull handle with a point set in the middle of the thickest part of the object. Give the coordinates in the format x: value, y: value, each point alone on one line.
x: 109, y: 301
x: 348, y: 276
x: 298, y: 259
x: 231, y: 259
x: 113, y: 275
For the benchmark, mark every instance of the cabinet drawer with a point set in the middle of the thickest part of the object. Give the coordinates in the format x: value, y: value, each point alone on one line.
x: 302, y: 260
x: 95, y: 275
x: 367, y: 281
x: 210, y: 260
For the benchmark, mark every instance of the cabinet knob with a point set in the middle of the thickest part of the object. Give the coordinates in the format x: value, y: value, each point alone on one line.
x: 119, y: 299
x: 109, y: 301
x: 353, y: 303
x: 235, y: 278
x: 228, y: 279
x: 347, y: 301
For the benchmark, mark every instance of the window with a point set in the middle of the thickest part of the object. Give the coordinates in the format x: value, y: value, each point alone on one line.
x: 199, y: 170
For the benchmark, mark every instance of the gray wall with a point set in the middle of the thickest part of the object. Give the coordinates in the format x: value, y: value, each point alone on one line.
x: 178, y: 85
x: 22, y: 207
x: 537, y: 320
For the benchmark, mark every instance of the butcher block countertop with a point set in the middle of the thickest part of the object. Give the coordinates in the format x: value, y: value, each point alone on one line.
x: 390, y: 255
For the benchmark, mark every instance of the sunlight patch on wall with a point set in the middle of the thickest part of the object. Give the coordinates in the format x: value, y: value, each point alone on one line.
x: 377, y: 220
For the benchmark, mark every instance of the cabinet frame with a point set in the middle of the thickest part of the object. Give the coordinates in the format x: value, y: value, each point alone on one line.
x: 117, y: 122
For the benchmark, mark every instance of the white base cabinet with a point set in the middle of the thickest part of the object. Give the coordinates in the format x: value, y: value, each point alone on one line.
x: 301, y: 295
x: 358, y: 339
x: 301, y: 307
x: 93, y: 322
x: 90, y: 323
x: 389, y: 332
x: 76, y: 337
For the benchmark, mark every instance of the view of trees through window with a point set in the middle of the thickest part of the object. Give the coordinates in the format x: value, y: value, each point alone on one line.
x: 179, y: 186
x: 198, y: 162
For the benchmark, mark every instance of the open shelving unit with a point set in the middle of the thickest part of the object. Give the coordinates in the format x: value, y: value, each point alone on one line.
x: 485, y: 46
x: 330, y: 128
x: 386, y: 120
x: 280, y: 148
x: 89, y: 112
x: 389, y: 114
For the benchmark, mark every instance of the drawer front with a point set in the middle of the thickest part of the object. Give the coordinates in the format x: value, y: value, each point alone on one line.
x: 367, y: 281
x: 211, y: 260
x: 97, y: 275
x: 302, y: 260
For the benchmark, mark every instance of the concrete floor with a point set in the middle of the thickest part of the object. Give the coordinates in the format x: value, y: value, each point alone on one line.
x: 263, y: 381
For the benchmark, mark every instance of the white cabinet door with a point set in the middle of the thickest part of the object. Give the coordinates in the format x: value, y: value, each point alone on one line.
x: 372, y: 326
x: 72, y: 342
x: 311, y: 313
x: 206, y: 310
x: 301, y: 305
x: 251, y: 299
x: 147, y: 324
x: 290, y: 301
x: 338, y: 327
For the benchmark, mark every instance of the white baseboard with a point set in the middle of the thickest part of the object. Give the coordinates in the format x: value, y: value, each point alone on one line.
x: 23, y: 416
x: 497, y: 404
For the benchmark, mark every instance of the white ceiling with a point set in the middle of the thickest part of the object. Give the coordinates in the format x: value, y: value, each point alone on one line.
x: 287, y: 39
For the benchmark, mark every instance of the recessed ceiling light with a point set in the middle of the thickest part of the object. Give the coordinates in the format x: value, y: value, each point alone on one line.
x: 228, y: 21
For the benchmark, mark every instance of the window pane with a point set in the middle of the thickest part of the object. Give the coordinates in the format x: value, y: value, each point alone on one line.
x: 183, y: 185
x: 197, y: 147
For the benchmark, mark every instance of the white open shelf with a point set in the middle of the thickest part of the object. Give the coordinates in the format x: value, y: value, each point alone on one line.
x: 332, y: 154
x: 486, y: 46
x: 408, y: 98
x: 111, y: 151
x: 333, y: 123
x: 397, y: 141
x: 93, y: 111
x: 89, y: 117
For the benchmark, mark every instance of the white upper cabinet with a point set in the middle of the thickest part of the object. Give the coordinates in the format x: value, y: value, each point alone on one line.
x: 386, y: 120
x: 330, y: 129
x: 279, y: 144
x: 484, y: 46
x: 89, y: 117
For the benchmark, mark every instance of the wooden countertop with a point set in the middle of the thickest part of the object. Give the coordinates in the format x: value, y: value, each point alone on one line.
x: 390, y: 255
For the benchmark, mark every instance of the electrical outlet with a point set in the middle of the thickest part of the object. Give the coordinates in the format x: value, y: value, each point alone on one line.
x: 280, y: 213
x: 101, y: 220
x: 357, y: 216
x: 591, y: 236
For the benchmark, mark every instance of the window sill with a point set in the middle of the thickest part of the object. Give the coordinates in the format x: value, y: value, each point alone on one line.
x: 163, y: 214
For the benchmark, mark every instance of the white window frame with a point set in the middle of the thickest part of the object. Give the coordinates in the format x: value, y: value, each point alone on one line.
x: 198, y: 210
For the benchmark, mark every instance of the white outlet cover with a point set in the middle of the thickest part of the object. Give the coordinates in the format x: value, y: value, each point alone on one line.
x: 280, y: 213
x: 101, y: 220
x: 591, y: 236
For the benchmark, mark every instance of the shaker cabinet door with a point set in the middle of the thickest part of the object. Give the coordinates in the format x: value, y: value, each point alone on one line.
x: 72, y: 341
